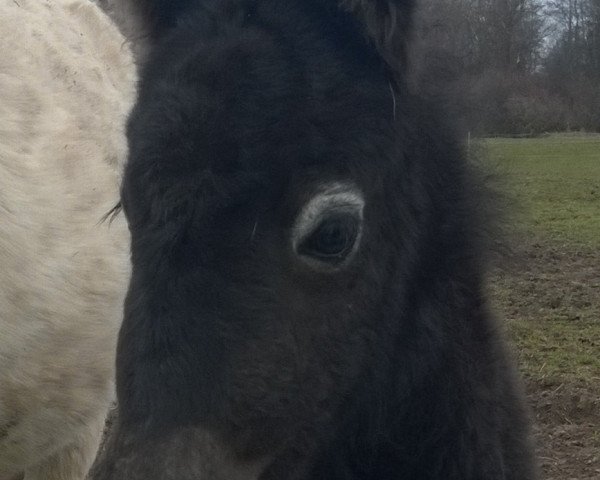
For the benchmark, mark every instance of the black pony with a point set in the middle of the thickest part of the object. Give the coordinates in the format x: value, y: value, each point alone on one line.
x: 308, y: 260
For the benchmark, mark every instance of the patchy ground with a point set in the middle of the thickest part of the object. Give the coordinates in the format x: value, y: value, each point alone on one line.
x: 550, y: 298
x: 549, y: 294
x: 567, y: 430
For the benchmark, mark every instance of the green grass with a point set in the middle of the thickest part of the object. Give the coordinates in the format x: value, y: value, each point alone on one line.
x: 551, y: 300
x: 557, y: 181
x: 553, y: 351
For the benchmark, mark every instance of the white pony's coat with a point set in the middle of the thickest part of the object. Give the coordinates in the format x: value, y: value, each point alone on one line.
x: 66, y: 86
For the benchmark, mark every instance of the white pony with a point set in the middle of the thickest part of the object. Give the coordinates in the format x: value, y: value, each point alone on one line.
x: 67, y: 83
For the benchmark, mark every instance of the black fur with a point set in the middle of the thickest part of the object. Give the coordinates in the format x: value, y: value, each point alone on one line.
x: 390, y: 367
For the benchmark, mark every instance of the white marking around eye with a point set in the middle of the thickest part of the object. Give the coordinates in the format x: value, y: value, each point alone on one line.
x: 330, y: 198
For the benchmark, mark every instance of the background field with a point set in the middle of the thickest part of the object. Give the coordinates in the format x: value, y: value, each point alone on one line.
x: 549, y: 291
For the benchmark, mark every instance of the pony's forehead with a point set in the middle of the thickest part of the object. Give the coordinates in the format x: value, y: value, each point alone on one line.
x: 257, y: 133
x: 234, y: 116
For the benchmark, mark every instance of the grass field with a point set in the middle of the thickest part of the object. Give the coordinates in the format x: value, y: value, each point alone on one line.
x: 550, y: 294
x: 557, y: 179
x: 556, y: 183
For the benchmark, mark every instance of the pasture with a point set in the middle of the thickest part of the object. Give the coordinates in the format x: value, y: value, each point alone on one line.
x: 550, y: 293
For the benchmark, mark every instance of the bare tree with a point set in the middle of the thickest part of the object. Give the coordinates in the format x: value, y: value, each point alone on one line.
x: 482, y: 49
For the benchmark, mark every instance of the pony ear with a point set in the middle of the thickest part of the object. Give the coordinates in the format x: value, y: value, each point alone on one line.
x: 387, y: 23
x: 145, y: 19
x: 158, y: 16
x: 142, y: 21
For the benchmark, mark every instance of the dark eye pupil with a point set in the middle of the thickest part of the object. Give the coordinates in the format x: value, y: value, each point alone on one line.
x: 333, y: 239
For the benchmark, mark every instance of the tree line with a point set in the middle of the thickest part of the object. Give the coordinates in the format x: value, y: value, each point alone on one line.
x: 513, y: 66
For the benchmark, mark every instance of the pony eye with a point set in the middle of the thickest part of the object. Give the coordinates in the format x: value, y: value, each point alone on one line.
x: 328, y: 229
x: 332, y: 240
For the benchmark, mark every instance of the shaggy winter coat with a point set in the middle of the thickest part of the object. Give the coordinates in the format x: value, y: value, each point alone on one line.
x: 66, y: 86
x: 309, y: 245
